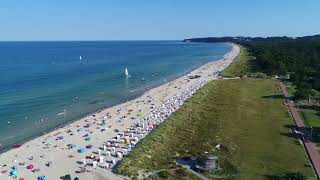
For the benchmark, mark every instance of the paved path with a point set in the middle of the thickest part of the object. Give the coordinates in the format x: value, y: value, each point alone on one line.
x: 310, y: 147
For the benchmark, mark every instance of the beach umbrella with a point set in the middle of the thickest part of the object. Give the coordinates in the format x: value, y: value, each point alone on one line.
x: 42, y: 178
x: 67, y: 177
x: 14, y: 172
x: 59, y: 137
x: 76, y: 178
x: 73, y: 146
x: 89, y: 146
x: 87, y: 139
x: 81, y: 150
x: 30, y: 166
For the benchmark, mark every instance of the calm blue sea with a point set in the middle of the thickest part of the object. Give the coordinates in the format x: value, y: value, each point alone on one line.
x: 39, y: 80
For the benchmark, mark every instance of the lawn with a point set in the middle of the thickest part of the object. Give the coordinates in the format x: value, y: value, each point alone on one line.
x: 246, y: 116
x: 311, y: 117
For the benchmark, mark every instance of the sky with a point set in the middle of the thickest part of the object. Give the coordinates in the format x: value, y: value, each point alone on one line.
x: 53, y: 20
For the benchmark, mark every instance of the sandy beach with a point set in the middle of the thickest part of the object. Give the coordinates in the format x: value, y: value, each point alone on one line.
x: 90, y: 147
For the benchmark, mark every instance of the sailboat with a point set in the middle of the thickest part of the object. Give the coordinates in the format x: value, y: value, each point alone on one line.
x: 126, y: 72
x: 80, y: 58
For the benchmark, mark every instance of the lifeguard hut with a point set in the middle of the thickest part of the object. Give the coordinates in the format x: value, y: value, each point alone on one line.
x: 207, y: 163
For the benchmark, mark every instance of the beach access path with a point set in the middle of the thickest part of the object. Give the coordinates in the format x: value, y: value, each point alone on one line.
x: 309, y: 146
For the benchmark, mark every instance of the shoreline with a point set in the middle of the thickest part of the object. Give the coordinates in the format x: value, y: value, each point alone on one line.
x: 52, y: 146
x: 81, y: 116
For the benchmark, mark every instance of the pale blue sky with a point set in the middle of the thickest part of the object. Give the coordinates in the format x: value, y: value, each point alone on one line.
x: 155, y: 19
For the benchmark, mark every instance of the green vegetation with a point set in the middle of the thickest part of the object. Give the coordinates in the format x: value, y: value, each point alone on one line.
x: 297, y: 57
x: 240, y: 66
x: 309, y: 111
x: 311, y: 117
x: 246, y: 116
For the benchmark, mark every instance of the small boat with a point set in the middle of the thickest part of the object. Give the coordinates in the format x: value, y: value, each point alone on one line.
x: 80, y: 58
x: 62, y: 113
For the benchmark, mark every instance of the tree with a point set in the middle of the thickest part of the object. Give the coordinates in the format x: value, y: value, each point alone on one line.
x: 303, y: 91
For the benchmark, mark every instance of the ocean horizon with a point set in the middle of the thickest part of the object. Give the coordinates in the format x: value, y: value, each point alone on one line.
x: 47, y: 84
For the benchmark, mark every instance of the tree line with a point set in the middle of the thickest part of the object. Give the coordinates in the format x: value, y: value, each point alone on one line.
x: 295, y: 58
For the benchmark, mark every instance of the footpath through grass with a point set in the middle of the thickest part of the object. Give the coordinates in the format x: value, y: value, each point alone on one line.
x: 245, y: 116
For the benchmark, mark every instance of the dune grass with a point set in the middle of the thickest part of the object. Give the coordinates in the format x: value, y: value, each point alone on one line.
x: 241, y: 65
x: 245, y: 116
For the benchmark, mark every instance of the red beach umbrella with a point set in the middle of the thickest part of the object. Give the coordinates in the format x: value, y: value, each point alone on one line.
x: 30, y: 166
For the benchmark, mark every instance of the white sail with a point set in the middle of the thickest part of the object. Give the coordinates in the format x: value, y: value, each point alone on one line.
x: 126, y: 72
x: 80, y: 58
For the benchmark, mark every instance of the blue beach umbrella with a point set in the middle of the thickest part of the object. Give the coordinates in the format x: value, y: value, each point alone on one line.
x: 14, y: 172
x: 89, y: 146
x: 42, y: 178
x: 81, y: 150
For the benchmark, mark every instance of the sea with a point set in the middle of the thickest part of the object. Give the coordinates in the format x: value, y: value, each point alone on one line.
x: 45, y: 85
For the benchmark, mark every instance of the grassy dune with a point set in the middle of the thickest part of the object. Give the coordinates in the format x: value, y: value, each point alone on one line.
x: 241, y: 65
x: 246, y: 116
x: 243, y: 115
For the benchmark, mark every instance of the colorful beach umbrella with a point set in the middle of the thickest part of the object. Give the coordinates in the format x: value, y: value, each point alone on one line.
x: 89, y: 146
x: 14, y: 172
x: 42, y: 178
x: 81, y: 150
x: 30, y: 166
